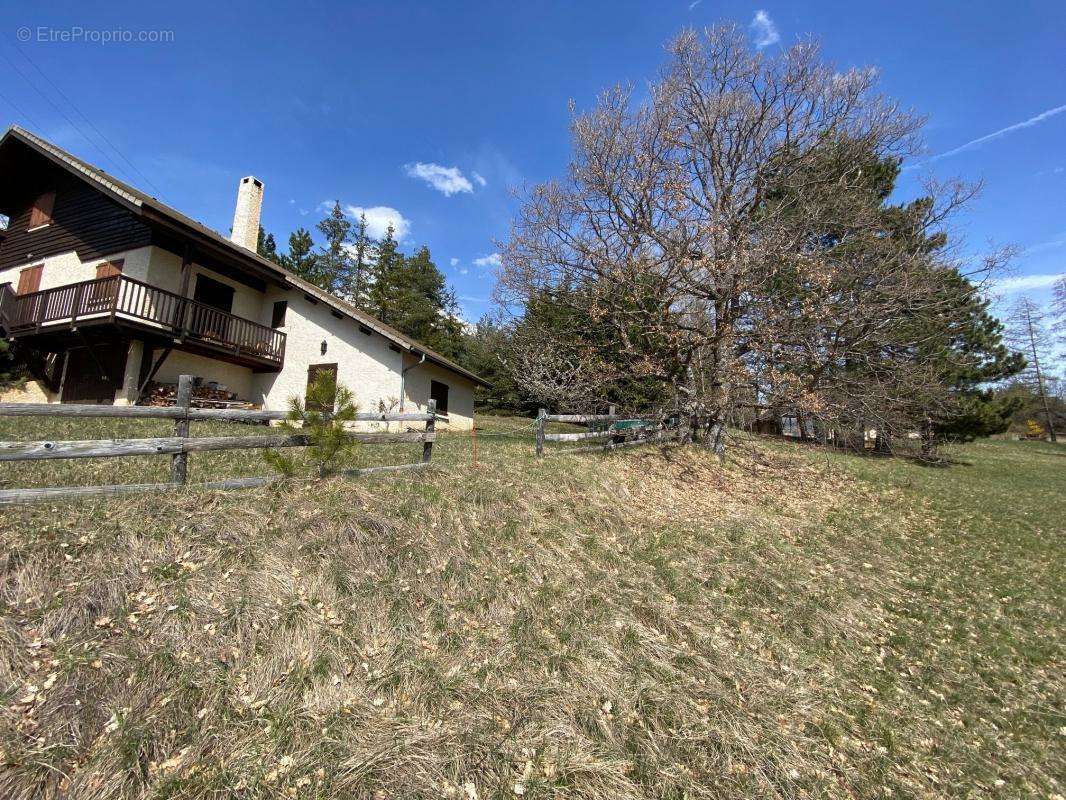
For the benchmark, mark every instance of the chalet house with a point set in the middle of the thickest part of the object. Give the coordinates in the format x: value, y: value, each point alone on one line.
x: 117, y: 290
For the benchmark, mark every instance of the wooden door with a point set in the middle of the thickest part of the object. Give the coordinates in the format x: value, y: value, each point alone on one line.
x: 313, y: 372
x: 95, y: 380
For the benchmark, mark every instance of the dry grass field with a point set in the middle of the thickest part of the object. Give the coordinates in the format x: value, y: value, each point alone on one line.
x: 643, y: 624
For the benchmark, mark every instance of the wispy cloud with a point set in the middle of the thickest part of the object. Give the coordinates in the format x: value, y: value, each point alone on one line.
x: 478, y: 178
x: 453, y: 261
x: 763, y: 31
x: 693, y: 4
x: 491, y: 260
x: 1026, y: 283
x: 446, y: 180
x: 1050, y: 244
x: 970, y: 145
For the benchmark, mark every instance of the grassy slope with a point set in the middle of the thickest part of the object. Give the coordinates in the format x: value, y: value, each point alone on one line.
x: 645, y: 624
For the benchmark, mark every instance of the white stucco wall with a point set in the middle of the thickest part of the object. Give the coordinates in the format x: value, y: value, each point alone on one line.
x: 67, y: 268
x: 460, y: 393
x: 365, y: 364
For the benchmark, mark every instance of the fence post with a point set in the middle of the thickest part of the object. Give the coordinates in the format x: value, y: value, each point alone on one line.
x: 431, y: 426
x: 179, y: 463
x: 542, y: 416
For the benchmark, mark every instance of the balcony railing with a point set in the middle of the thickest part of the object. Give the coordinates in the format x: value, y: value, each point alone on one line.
x: 121, y: 298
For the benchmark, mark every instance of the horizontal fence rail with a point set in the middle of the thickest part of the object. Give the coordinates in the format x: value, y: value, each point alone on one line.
x: 182, y: 444
x: 179, y: 412
x: 618, y: 431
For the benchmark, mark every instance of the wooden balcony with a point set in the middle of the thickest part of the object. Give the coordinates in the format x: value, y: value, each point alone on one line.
x: 129, y: 303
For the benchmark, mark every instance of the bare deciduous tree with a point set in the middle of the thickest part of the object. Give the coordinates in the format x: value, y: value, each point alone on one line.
x: 1027, y: 332
x: 725, y: 230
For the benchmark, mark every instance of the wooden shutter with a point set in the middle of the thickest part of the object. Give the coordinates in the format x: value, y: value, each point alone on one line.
x: 42, y: 210
x: 103, y: 295
x: 30, y: 279
x: 109, y: 269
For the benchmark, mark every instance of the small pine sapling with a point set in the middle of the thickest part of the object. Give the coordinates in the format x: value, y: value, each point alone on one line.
x: 320, y: 420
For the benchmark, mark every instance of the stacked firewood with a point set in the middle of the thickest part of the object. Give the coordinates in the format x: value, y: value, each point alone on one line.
x: 203, y: 396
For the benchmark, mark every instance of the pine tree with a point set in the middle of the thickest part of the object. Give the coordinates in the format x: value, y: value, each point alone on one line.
x: 412, y: 295
x: 301, y: 259
x: 362, y: 264
x: 1027, y: 332
x: 267, y: 247
x: 382, y: 293
x: 334, y: 262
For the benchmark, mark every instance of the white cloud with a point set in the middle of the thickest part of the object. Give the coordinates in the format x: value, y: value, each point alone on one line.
x: 478, y: 178
x: 378, y: 220
x: 1051, y: 244
x: 1026, y: 283
x: 1051, y: 112
x: 491, y: 260
x: 453, y: 261
x: 763, y: 31
x: 446, y: 180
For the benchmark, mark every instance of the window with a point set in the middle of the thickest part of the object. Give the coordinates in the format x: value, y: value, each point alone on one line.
x: 30, y: 279
x: 42, y: 210
x: 213, y: 293
x: 439, y: 391
x: 277, y: 320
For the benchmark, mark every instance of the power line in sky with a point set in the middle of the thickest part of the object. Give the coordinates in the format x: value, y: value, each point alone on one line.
x: 74, y: 125
x: 89, y: 122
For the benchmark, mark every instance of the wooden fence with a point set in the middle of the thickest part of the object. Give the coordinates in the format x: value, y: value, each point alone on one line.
x: 616, y: 431
x: 181, y: 444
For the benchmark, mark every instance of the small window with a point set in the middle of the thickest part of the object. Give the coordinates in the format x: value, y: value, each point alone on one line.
x: 439, y: 391
x: 277, y: 320
x: 42, y: 210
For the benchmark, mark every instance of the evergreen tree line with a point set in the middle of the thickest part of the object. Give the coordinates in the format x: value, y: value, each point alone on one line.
x: 406, y: 291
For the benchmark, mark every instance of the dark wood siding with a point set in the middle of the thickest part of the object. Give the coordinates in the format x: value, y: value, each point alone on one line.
x: 83, y: 220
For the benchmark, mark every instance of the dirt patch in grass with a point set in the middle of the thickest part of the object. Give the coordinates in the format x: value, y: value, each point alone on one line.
x: 646, y: 624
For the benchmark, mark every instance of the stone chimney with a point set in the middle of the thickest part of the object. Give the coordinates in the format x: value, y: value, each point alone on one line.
x: 246, y: 215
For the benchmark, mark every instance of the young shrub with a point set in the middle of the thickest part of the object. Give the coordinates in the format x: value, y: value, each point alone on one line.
x: 1034, y: 430
x: 320, y: 419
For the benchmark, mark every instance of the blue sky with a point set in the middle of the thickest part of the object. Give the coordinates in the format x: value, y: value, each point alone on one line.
x: 430, y: 113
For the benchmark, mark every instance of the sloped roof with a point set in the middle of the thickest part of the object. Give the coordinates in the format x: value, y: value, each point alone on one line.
x: 141, y: 203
